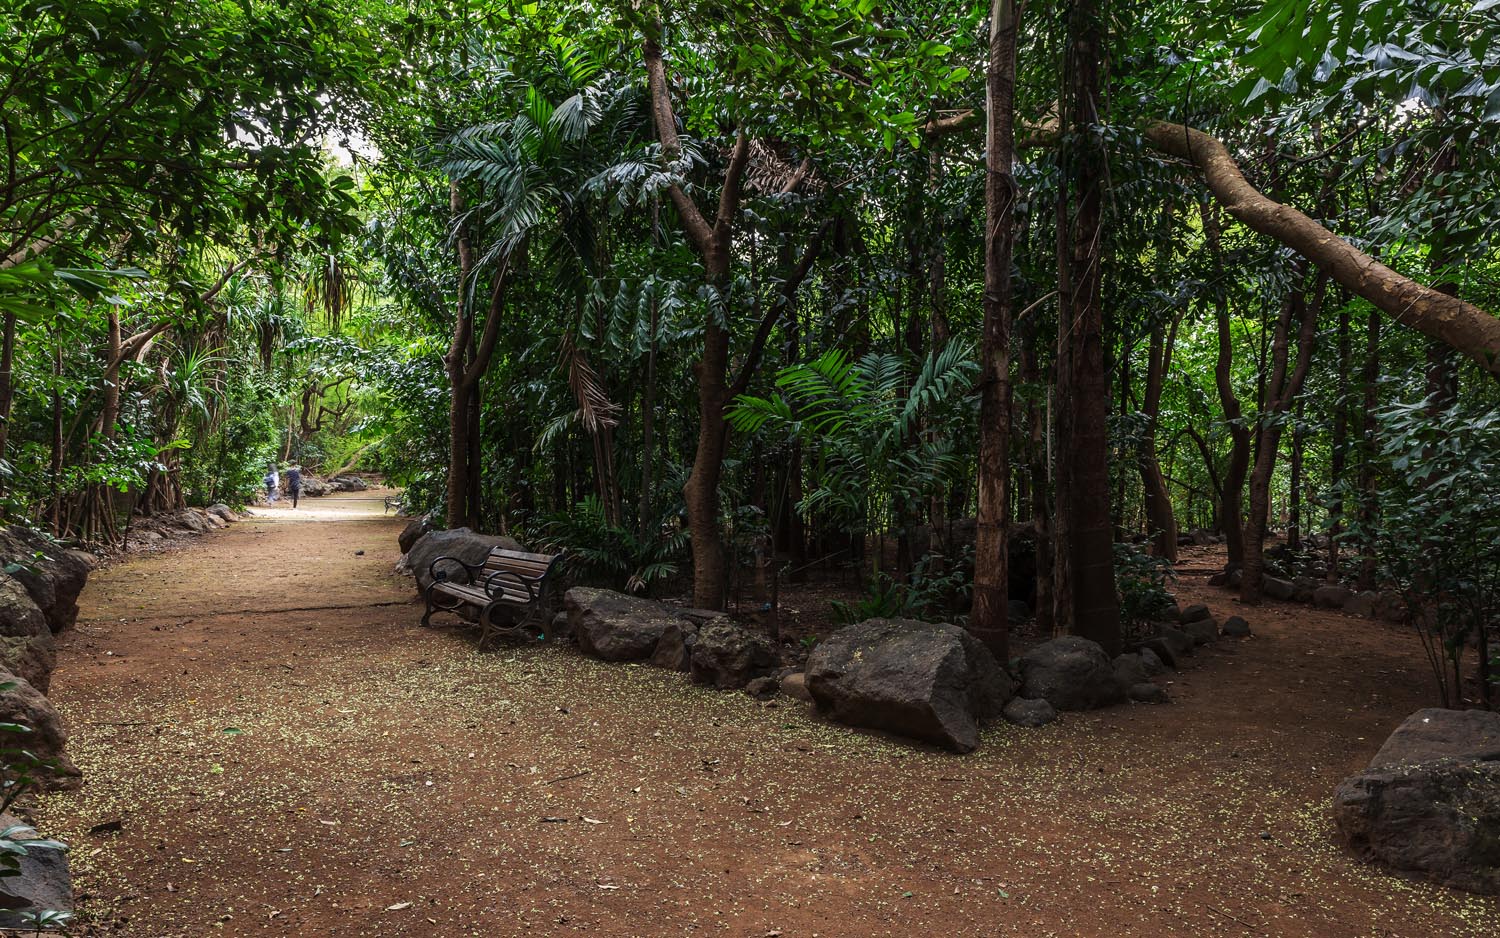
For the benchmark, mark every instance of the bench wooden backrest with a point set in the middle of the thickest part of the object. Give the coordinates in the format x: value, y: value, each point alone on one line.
x: 519, y: 561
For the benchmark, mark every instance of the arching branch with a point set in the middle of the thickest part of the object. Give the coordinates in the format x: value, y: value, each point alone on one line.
x: 1448, y: 319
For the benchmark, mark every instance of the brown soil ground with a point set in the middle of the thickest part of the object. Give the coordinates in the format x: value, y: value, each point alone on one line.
x: 288, y: 753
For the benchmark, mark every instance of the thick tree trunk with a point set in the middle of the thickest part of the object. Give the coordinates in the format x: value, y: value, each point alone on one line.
x: 988, y: 613
x: 1090, y: 543
x: 701, y: 492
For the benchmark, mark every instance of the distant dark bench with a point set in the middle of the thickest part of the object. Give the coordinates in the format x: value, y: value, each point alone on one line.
x: 392, y: 503
x: 512, y: 584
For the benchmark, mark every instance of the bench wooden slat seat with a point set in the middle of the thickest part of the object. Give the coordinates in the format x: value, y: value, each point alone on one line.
x: 515, y: 585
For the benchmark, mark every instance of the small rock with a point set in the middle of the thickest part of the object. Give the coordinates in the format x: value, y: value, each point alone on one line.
x: 762, y: 688
x: 1361, y: 604
x: 1277, y: 588
x: 613, y: 626
x: 413, y: 532
x: 1236, y: 627
x: 42, y: 882
x: 1194, y: 613
x: 1023, y: 711
x: 1151, y: 661
x: 1179, y: 641
x: 929, y: 681
x: 1331, y: 597
x: 1173, y: 613
x: 1390, y: 607
x: 1219, y: 579
x: 1159, y: 649
x: 1429, y: 802
x: 794, y: 685
x: 1130, y: 669
x: 1203, y: 631
x: 1147, y: 692
x: 674, y: 650
x: 1303, y: 588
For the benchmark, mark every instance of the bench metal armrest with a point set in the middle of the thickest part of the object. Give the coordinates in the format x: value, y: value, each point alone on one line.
x: 437, y: 576
x: 491, y: 586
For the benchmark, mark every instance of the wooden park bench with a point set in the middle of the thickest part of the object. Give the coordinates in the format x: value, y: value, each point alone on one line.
x: 517, y: 586
x: 392, y: 503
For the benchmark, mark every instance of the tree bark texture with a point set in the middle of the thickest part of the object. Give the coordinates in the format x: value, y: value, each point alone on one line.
x: 988, y: 613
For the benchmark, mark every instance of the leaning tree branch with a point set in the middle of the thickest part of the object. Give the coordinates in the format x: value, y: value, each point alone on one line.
x: 1448, y: 319
x: 785, y: 299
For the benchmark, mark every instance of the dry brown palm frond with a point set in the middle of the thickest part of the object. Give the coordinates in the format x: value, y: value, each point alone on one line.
x: 595, y: 410
x: 770, y: 174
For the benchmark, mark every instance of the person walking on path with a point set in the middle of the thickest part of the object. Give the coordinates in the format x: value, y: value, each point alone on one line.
x: 272, y: 480
x: 294, y: 484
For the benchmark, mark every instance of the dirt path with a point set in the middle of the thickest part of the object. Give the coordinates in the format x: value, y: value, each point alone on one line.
x: 288, y: 753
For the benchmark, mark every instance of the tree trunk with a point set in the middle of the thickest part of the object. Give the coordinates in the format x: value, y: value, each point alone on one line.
x: 1281, y: 390
x: 1367, y: 500
x: 1090, y: 544
x: 7, y: 382
x: 466, y: 362
x: 1160, y: 520
x: 648, y: 428
x: 1339, y: 446
x: 1294, y: 507
x: 1041, y: 510
x: 1232, y: 506
x: 988, y: 613
x: 701, y: 492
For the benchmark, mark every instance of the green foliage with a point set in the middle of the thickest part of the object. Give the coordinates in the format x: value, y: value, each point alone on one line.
x: 936, y: 590
x: 861, y: 420
x: 1141, y: 579
x: 1438, y: 539
x: 613, y: 555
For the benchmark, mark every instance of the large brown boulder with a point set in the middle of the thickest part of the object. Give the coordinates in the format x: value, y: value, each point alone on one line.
x: 1429, y: 802
x: 616, y: 627
x: 27, y: 647
x: 933, y: 682
x: 461, y: 543
x: 52, y: 575
x: 46, y: 739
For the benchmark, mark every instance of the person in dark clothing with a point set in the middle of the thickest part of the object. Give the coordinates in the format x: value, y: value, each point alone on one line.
x: 294, y: 483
